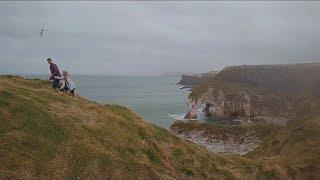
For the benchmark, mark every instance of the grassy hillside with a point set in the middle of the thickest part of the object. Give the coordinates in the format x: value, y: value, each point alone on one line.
x: 295, y: 150
x: 291, y: 152
x: 222, y: 131
x: 45, y: 133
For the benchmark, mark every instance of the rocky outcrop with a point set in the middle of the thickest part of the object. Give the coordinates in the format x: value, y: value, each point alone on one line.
x: 232, y: 145
x: 192, y: 110
x: 237, y: 139
x: 189, y: 80
x: 260, y: 93
x: 247, y: 107
x: 194, y: 79
x: 190, y: 115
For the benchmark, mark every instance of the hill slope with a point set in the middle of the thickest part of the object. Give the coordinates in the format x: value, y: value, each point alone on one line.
x: 294, y: 150
x: 44, y: 133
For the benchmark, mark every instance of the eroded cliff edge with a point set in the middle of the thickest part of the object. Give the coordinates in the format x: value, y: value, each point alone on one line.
x: 190, y: 80
x: 259, y: 93
x: 259, y: 97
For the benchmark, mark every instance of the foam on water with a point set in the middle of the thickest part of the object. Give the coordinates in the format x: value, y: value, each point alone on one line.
x: 177, y: 116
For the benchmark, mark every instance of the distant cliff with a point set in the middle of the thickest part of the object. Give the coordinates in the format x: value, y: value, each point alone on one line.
x: 285, y: 77
x: 257, y: 93
x: 191, y: 80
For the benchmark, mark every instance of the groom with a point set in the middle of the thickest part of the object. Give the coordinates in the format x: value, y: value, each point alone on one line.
x: 54, y: 72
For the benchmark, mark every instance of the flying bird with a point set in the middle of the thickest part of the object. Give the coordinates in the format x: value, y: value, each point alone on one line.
x: 41, y: 32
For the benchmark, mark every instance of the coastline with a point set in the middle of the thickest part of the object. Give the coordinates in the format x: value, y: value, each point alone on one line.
x: 156, y: 98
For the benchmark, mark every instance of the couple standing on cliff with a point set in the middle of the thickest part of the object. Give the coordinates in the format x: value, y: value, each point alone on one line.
x: 64, y: 82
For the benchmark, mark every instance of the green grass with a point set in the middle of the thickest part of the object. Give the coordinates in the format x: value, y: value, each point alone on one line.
x: 177, y: 153
x: 47, y: 134
x: 152, y: 156
x: 259, y: 130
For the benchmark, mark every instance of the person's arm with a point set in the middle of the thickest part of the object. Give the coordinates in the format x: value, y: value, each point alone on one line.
x: 57, y: 77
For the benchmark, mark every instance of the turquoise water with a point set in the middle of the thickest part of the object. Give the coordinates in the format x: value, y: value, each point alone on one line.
x: 153, y: 97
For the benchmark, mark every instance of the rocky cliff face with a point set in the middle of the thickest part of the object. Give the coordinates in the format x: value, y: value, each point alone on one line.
x: 256, y: 93
x: 230, y: 144
x: 191, y: 80
x: 234, y: 139
x: 247, y: 107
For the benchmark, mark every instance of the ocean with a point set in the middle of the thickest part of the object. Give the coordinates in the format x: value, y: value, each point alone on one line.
x: 156, y: 98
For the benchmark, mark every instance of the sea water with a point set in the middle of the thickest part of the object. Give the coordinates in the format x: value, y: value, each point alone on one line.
x: 156, y: 98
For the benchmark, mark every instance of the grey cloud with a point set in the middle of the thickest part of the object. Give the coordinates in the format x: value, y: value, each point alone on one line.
x: 135, y: 38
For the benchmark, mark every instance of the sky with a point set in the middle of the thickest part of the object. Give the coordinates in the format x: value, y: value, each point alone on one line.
x: 152, y: 38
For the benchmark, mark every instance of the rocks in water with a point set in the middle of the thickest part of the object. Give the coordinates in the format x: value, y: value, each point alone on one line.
x: 189, y: 115
x: 186, y: 87
x: 206, y: 110
x: 189, y: 80
x: 192, y: 110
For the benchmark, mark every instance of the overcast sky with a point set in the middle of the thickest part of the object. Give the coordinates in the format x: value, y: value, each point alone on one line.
x: 149, y: 38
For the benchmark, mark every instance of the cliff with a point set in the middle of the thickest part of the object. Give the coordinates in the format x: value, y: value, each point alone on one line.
x: 262, y: 98
x: 284, y: 152
x: 260, y: 93
x: 191, y: 80
x: 285, y: 77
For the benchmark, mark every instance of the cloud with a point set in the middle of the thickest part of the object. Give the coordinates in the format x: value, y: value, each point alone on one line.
x: 135, y: 38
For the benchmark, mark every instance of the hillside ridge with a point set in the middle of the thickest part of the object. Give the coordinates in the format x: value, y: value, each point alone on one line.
x: 47, y: 134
